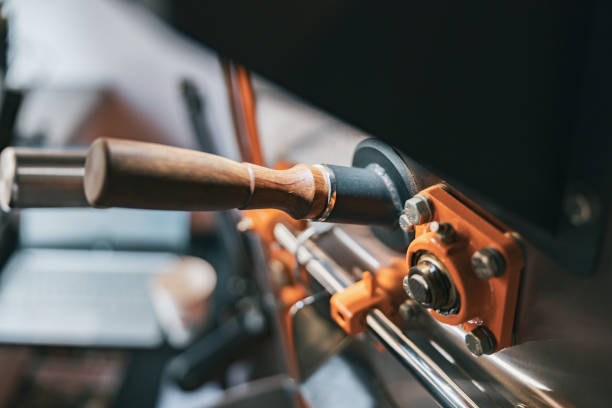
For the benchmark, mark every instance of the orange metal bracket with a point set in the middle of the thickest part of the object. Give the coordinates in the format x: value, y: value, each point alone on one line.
x: 483, y: 302
x: 349, y: 307
x: 242, y: 103
x: 263, y: 222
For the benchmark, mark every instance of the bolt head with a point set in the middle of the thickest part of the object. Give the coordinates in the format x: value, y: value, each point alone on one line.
x: 578, y: 209
x: 488, y: 263
x: 427, y: 285
x: 418, y: 288
x: 480, y: 341
x: 417, y: 210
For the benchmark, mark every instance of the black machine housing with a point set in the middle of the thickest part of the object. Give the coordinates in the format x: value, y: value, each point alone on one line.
x: 508, y: 101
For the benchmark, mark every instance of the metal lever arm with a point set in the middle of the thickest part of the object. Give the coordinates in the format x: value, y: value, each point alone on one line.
x: 121, y: 173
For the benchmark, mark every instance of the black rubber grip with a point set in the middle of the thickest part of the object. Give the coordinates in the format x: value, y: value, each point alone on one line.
x: 363, y: 197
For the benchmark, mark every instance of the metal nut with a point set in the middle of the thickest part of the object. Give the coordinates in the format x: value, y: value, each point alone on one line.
x: 428, y: 286
x: 488, y: 263
x: 419, y: 288
x: 417, y: 210
x: 404, y: 223
x: 480, y: 341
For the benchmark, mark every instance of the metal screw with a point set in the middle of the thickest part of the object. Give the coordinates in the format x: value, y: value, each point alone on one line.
x: 417, y: 210
x: 578, y: 209
x: 404, y: 223
x: 488, y: 263
x: 444, y: 232
x: 480, y: 341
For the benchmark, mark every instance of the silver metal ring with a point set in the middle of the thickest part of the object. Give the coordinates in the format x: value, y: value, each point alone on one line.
x: 331, y: 191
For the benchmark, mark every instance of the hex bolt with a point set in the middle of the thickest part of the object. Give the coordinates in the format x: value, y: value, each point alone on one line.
x: 488, y: 263
x: 417, y: 210
x: 480, y: 341
x: 444, y: 232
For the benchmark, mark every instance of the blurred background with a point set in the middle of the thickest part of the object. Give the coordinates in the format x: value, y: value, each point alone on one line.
x: 103, y: 308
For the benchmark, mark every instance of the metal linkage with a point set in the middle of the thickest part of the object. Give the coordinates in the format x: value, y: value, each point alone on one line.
x: 442, y: 388
x: 323, y: 272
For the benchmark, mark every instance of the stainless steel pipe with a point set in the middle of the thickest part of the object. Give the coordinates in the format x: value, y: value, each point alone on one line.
x: 441, y: 387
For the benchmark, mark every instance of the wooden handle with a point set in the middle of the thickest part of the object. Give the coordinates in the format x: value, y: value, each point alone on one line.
x: 121, y: 173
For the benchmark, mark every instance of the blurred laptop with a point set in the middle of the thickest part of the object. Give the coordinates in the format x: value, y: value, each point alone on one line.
x: 81, y: 276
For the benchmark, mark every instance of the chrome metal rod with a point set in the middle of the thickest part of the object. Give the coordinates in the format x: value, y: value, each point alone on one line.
x: 441, y: 387
x: 31, y: 178
x: 426, y: 371
x: 321, y: 272
x: 357, y: 250
x: 43, y: 157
